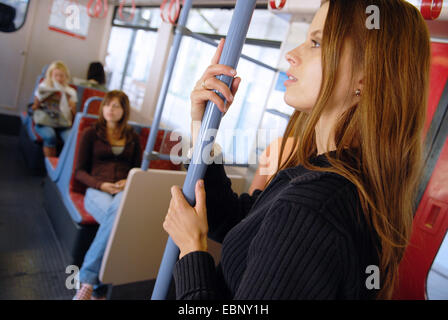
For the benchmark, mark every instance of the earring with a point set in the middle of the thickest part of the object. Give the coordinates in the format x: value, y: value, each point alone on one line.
x: 358, y: 92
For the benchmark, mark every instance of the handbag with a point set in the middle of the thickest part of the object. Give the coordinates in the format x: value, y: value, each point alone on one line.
x: 48, y: 113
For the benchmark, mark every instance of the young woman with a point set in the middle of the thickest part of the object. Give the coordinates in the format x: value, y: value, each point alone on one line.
x: 107, y: 152
x: 343, y: 201
x: 55, y: 90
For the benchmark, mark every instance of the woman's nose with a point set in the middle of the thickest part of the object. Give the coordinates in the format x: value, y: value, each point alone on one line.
x: 291, y: 58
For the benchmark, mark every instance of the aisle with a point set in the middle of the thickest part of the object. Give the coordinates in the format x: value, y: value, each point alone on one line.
x: 32, y: 262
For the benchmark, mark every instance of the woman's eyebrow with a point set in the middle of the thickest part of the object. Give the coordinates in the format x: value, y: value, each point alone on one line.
x: 316, y: 32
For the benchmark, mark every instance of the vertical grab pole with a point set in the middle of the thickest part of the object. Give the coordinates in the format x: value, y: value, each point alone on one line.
x: 165, y: 85
x: 211, y: 120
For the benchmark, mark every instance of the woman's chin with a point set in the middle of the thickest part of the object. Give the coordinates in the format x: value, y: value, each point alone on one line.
x: 296, y: 104
x: 110, y: 120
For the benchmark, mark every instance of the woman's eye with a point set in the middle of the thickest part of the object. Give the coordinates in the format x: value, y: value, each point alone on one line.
x: 315, y: 42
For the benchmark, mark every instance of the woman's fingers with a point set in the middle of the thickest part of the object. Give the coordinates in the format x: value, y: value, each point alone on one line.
x: 218, y: 51
x: 205, y: 95
x: 215, y: 84
x: 215, y: 70
x: 235, y: 85
x: 200, y: 207
x: 178, y: 197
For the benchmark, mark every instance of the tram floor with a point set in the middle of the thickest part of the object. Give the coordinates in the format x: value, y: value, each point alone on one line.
x: 32, y: 260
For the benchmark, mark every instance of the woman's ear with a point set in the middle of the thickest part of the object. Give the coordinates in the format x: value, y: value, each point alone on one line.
x: 359, y: 87
x: 361, y: 83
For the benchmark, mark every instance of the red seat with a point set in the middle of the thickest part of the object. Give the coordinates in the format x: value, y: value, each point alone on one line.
x: 76, y: 188
x: 166, y: 148
x: 94, y: 107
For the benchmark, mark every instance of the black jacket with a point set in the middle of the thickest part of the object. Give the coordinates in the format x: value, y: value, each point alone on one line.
x: 303, y: 237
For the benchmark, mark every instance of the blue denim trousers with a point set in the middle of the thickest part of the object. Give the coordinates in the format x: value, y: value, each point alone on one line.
x: 103, y: 207
x: 49, y: 134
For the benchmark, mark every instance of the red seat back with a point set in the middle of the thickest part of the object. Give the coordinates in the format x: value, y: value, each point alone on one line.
x: 94, y: 107
x: 84, y: 124
x: 168, y: 144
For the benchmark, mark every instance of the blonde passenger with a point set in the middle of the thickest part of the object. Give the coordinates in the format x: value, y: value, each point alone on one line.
x: 54, y: 107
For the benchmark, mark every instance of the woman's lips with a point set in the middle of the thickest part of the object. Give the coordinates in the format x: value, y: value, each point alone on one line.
x: 291, y: 79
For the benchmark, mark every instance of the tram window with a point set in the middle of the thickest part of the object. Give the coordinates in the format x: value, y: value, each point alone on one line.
x: 12, y: 14
x: 135, y: 36
x: 437, y: 282
x: 144, y: 17
x: 243, y: 117
x: 130, y: 50
x: 264, y: 25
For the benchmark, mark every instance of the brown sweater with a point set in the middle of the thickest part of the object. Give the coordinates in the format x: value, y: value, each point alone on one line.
x: 97, y: 163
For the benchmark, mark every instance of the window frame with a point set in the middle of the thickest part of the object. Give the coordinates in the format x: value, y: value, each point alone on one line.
x: 24, y: 19
x: 250, y: 41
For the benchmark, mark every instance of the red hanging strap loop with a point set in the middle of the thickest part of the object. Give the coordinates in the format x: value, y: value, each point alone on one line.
x: 431, y: 9
x: 97, y: 8
x: 167, y: 14
x: 89, y: 8
x: 106, y: 9
x: 120, y: 10
x: 162, y: 10
x: 273, y: 4
x: 173, y: 17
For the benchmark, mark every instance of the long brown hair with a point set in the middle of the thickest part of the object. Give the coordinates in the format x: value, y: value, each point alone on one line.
x: 379, y: 140
x: 123, y: 130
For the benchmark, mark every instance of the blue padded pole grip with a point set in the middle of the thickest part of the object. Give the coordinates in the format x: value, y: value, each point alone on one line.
x: 166, y: 83
x: 212, y: 118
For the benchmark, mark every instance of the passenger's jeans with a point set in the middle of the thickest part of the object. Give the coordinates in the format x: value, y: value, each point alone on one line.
x: 49, y: 134
x: 103, y: 207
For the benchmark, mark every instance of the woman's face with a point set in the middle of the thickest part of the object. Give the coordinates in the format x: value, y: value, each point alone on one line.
x: 113, y: 111
x: 305, y: 72
x: 59, y: 76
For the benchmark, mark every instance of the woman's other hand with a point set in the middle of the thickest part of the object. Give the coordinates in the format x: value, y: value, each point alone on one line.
x: 120, y: 184
x: 109, y: 188
x: 187, y: 226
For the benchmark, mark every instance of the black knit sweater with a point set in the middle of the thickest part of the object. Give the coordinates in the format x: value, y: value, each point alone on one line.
x: 303, y: 237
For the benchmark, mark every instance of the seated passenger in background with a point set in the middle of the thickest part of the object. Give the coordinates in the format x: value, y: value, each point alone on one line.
x: 108, y: 151
x: 96, y: 78
x: 54, y: 107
